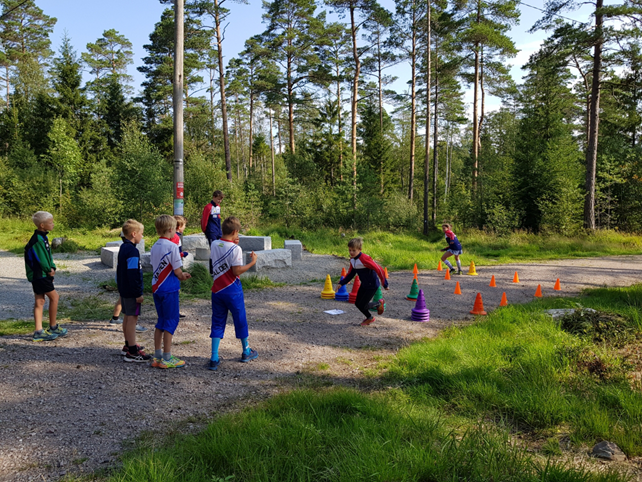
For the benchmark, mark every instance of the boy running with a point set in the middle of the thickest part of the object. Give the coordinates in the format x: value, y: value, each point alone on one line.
x: 453, y: 249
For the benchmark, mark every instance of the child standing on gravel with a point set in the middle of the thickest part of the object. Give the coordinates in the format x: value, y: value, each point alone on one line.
x: 369, y: 273
x: 453, y: 249
x: 168, y: 273
x: 181, y: 222
x: 211, y: 218
x: 226, y: 261
x: 40, y: 273
x: 129, y: 278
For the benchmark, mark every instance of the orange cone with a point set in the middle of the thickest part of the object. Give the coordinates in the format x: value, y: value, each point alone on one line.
x: 538, y: 291
x: 516, y: 278
x: 447, y: 277
x: 385, y: 272
x: 504, y: 301
x: 343, y: 272
x: 478, y: 308
x: 492, y: 282
x: 557, y: 286
x: 415, y: 271
x: 439, y: 268
x: 457, y: 289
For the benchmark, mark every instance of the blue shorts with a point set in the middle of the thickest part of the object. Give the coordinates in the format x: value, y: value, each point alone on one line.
x: 167, y: 309
x: 229, y: 299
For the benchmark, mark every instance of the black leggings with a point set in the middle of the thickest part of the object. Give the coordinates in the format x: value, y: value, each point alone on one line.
x: 364, y: 295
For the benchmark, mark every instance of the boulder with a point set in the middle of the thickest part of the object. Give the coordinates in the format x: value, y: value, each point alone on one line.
x: 192, y: 242
x: 202, y: 254
x: 271, y: 258
x: 57, y: 242
x: 255, y: 243
x: 609, y: 451
x: 296, y: 247
x: 109, y: 256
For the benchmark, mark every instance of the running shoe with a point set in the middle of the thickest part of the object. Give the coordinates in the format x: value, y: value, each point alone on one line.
x: 117, y: 321
x: 156, y: 362
x: 453, y: 270
x: 367, y: 322
x: 381, y: 307
x: 249, y: 356
x: 173, y: 362
x: 213, y: 365
x: 139, y: 357
x: 125, y: 349
x: 460, y: 272
x: 140, y: 329
x: 44, y: 335
x: 59, y: 331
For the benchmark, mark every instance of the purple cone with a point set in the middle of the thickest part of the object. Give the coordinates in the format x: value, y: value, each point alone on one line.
x: 420, y: 312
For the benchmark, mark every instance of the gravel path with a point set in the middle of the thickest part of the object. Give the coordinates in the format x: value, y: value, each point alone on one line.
x: 98, y: 403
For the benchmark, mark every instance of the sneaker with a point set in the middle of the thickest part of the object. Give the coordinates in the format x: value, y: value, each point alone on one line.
x: 367, y: 322
x: 381, y: 307
x: 59, y: 331
x: 181, y: 315
x: 460, y: 272
x: 250, y: 356
x: 139, y: 357
x: 452, y: 270
x: 125, y: 350
x: 117, y: 321
x: 156, y: 362
x: 173, y: 362
x: 213, y: 365
x: 140, y: 329
x: 44, y: 335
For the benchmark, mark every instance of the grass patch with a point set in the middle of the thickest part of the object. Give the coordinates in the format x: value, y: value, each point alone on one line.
x: 88, y: 308
x: 16, y: 327
x: 254, y: 282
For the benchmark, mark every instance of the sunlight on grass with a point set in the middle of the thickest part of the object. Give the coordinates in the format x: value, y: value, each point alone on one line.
x: 16, y: 327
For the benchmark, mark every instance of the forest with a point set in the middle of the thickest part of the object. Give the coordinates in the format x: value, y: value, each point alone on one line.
x: 304, y: 127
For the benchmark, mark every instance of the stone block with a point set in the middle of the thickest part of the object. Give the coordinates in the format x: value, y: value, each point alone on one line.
x: 201, y: 254
x: 141, y: 246
x: 271, y: 258
x: 255, y: 243
x: 192, y: 242
x: 146, y: 262
x: 296, y: 247
x: 109, y: 256
x: 188, y: 262
x: 113, y: 244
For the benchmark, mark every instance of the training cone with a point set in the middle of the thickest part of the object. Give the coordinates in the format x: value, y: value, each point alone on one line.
x: 538, y: 291
x: 504, y: 301
x: 457, y: 289
x: 342, y: 294
x: 355, y: 288
x: 478, y: 308
x: 557, y: 286
x: 343, y: 273
x: 420, y: 312
x: 385, y: 273
x: 492, y: 282
x: 439, y: 268
x: 415, y: 271
x: 414, y: 291
x: 516, y: 278
x: 447, y: 277
x: 378, y: 295
x: 471, y: 270
x: 328, y: 292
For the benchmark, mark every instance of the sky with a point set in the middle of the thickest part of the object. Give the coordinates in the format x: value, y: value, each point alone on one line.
x: 85, y: 20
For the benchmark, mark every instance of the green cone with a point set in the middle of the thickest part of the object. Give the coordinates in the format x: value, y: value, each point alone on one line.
x: 414, y: 290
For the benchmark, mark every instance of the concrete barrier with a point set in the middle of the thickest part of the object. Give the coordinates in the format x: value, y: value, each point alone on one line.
x: 271, y: 258
x: 296, y: 247
x: 192, y: 242
x: 109, y: 256
x: 255, y: 243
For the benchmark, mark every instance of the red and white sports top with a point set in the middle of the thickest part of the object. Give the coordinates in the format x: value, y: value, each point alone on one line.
x: 225, y: 254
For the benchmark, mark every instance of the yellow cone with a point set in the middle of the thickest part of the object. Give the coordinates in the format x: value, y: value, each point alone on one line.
x: 328, y: 292
x: 471, y: 270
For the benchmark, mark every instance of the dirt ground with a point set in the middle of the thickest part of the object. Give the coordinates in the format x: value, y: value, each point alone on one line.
x: 70, y: 406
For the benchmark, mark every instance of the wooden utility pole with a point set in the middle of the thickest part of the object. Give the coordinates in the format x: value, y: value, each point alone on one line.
x: 221, y: 71
x: 178, y: 108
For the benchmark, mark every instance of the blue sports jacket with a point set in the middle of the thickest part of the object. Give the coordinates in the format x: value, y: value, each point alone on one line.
x: 129, y: 273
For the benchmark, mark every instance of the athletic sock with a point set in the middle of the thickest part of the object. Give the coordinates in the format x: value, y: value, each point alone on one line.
x: 215, y: 344
x: 459, y: 264
x: 167, y: 356
x: 158, y: 354
x: 53, y: 327
x: 447, y: 263
x: 246, y: 346
x: 37, y: 332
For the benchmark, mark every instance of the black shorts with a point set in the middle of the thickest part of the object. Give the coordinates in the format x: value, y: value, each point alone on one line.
x: 42, y: 286
x: 130, y: 307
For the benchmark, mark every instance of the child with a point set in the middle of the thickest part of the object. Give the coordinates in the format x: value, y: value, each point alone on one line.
x: 40, y: 273
x: 454, y: 248
x: 166, y: 264
x: 181, y: 222
x: 368, y: 271
x: 211, y: 219
x: 227, y: 293
x: 129, y: 277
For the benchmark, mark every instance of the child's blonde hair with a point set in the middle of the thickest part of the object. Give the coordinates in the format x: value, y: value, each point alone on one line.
x: 230, y: 225
x: 180, y: 220
x: 130, y: 226
x: 41, y: 217
x: 355, y: 243
x: 164, y: 224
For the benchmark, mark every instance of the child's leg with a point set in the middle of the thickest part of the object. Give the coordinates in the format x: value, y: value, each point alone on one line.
x: 364, y: 296
x: 129, y: 330
x: 458, y: 262
x: 117, y: 309
x: 158, y: 343
x: 38, y: 307
x: 53, y: 307
x: 167, y: 345
x: 219, y: 318
x: 445, y: 257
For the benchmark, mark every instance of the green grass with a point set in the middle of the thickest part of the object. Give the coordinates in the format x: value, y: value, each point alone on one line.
x: 16, y: 327
x: 402, y: 249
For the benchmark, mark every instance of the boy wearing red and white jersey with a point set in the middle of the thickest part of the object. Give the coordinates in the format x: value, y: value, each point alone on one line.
x: 226, y: 264
x: 168, y: 273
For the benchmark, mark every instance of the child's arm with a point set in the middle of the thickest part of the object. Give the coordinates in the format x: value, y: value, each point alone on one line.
x: 182, y: 275
x: 348, y: 277
x: 369, y: 263
x: 44, y: 257
x: 239, y: 270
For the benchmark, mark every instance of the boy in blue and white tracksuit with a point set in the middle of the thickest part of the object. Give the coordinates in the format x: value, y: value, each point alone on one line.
x: 453, y: 249
x: 211, y: 218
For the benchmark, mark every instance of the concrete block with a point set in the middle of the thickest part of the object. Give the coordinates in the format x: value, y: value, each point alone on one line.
x: 192, y: 242
x: 109, y: 256
x: 271, y: 258
x: 296, y: 247
x: 188, y: 262
x: 146, y: 262
x: 201, y: 254
x: 255, y: 243
x: 113, y: 244
x: 141, y: 246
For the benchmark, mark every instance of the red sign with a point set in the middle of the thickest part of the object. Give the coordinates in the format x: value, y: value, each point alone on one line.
x: 179, y: 190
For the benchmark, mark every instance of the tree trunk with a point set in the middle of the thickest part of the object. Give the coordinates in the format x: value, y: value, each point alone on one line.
x: 272, y: 151
x: 226, y: 140
x: 475, y: 103
x: 483, y: 99
x: 251, y: 127
x: 435, y: 142
x: 212, y: 117
x: 290, y: 99
x: 339, y: 102
x: 594, y: 120
x: 355, y: 94
x: 427, y: 147
x: 413, y: 104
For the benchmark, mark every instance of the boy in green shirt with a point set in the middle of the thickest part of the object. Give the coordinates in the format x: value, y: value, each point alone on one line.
x: 40, y: 273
